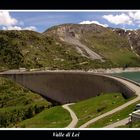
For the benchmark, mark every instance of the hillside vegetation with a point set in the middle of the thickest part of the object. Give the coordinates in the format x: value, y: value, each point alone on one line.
x: 93, y: 107
x: 117, y: 116
x: 69, y: 46
x: 55, y: 117
x: 18, y: 103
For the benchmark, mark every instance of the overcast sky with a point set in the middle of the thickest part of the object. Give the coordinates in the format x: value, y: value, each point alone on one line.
x: 41, y: 20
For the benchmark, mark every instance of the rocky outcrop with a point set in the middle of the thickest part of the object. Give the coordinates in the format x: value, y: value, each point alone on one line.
x: 133, y: 37
x: 71, y: 33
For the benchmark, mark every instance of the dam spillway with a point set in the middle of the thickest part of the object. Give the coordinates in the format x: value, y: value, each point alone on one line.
x: 67, y: 87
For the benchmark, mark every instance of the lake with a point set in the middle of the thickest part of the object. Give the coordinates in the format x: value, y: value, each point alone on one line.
x: 135, y: 76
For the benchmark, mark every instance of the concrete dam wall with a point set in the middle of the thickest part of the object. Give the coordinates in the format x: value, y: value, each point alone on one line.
x: 65, y: 87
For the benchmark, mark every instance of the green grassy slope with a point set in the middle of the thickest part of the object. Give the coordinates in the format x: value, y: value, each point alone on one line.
x: 33, y: 50
x: 112, y: 47
x: 56, y: 117
x: 122, y: 114
x: 93, y: 107
x: 18, y: 103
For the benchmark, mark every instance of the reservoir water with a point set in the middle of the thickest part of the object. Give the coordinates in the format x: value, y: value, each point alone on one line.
x: 135, y: 76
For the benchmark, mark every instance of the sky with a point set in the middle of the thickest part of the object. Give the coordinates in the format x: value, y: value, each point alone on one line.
x: 42, y: 20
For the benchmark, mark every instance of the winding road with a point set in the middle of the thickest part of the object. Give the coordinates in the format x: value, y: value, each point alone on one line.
x: 132, y: 86
x: 73, y: 116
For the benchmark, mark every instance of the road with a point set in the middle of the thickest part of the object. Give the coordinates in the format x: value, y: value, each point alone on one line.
x: 130, y: 85
x: 119, y: 123
x: 73, y: 116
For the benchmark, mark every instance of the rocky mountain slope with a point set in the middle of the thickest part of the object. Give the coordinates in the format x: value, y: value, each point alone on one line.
x: 70, y: 46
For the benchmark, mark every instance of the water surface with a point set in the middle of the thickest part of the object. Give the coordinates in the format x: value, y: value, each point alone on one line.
x: 135, y: 76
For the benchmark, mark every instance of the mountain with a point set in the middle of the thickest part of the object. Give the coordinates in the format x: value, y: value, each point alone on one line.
x: 114, y: 46
x: 70, y: 46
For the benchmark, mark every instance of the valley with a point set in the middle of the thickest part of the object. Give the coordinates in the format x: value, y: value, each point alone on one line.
x: 79, y: 49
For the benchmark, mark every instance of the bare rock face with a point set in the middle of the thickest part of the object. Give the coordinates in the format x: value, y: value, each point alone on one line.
x: 74, y: 29
x: 133, y: 37
x: 72, y: 33
x: 119, y: 31
x: 135, y: 40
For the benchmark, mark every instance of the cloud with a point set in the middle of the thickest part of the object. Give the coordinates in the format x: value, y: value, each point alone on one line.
x: 10, y: 23
x: 118, y: 19
x: 33, y: 28
x: 6, y: 19
x: 134, y: 15
x: 12, y: 28
x: 95, y: 22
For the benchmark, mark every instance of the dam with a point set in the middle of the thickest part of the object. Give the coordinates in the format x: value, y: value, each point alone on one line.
x: 67, y: 87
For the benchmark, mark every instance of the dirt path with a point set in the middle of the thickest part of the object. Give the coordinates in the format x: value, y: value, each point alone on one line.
x: 119, y: 123
x: 129, y: 84
x: 73, y: 116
